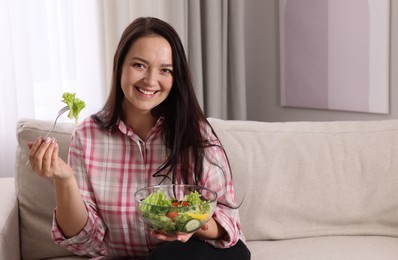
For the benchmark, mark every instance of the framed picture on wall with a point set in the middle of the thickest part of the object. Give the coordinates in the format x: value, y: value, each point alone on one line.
x: 334, y: 54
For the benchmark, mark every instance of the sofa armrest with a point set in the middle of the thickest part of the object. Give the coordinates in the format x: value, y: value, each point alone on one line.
x: 9, y: 220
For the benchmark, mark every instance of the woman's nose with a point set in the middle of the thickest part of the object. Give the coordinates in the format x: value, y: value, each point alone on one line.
x: 150, y: 78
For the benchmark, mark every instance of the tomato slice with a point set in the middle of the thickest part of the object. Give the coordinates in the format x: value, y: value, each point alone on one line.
x: 172, y: 215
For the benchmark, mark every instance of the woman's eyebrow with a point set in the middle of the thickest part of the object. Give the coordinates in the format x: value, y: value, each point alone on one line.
x: 145, y: 61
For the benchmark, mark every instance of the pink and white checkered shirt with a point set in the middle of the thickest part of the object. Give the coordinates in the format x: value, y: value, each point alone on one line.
x: 110, y: 167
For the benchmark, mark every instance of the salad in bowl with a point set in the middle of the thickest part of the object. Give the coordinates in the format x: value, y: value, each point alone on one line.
x: 176, y: 207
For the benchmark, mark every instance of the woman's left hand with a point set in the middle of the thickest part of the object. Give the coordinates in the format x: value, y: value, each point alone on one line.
x: 180, y: 236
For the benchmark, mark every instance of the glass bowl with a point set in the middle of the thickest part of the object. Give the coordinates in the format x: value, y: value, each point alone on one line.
x: 176, y: 207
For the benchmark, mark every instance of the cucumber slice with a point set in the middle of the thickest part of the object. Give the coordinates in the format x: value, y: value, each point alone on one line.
x: 192, y: 225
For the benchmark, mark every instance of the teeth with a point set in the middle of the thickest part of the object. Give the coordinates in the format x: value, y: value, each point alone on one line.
x: 146, y: 92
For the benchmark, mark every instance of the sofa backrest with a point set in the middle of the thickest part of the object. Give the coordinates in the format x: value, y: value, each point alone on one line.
x: 304, y: 179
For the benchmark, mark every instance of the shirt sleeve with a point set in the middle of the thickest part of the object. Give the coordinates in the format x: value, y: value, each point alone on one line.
x: 89, y: 241
x: 217, y: 177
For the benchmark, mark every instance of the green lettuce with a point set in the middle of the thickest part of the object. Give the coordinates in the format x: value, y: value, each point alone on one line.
x: 75, y: 105
x: 160, y: 221
x: 155, y: 202
x: 194, y: 198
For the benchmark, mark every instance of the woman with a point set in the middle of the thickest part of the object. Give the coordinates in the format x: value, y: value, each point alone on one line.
x: 150, y: 131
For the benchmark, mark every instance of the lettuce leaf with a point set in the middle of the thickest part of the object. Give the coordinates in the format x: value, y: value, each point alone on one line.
x: 193, y: 198
x: 155, y: 202
x: 160, y: 222
x: 75, y: 105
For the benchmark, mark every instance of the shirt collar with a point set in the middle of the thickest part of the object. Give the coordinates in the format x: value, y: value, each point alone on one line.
x: 125, y: 129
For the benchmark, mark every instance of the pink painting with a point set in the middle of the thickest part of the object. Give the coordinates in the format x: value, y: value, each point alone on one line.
x: 335, y: 54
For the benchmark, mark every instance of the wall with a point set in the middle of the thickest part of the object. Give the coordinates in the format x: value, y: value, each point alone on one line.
x: 262, y: 70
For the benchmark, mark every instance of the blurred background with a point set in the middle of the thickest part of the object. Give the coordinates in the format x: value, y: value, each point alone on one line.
x: 48, y: 47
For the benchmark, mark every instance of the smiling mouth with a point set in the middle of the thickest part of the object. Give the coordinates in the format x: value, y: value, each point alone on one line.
x: 146, y: 92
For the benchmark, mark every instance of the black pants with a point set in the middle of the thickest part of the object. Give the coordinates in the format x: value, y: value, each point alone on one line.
x: 195, y: 249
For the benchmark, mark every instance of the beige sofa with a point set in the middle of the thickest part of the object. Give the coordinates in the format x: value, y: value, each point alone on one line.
x: 312, y: 190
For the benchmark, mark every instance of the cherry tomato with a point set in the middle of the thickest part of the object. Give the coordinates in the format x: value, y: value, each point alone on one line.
x: 172, y: 215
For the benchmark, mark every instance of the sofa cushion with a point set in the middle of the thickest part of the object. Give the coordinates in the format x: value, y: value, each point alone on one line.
x: 305, y: 179
x: 36, y: 194
x: 9, y: 224
x: 327, y: 248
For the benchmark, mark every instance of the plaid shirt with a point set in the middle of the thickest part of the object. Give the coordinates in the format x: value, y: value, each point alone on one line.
x: 110, y: 167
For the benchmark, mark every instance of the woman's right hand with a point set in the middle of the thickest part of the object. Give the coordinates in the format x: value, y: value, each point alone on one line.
x: 71, y: 212
x: 44, y: 159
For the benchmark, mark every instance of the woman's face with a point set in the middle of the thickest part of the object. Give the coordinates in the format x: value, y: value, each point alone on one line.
x: 147, y: 75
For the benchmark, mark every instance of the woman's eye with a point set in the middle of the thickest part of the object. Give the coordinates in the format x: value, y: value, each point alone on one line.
x: 167, y: 71
x: 139, y: 65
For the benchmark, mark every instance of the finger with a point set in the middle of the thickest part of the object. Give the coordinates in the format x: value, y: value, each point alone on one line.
x: 180, y: 236
x: 205, y: 226
x: 47, y: 161
x: 183, y: 237
x: 38, y: 156
x: 33, y: 149
x: 54, y: 157
x: 30, y: 145
x: 163, y: 236
x: 33, y: 146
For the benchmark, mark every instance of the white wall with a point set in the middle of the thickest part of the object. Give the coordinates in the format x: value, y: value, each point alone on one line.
x: 262, y: 69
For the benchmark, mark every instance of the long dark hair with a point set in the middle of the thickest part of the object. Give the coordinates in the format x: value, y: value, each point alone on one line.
x: 184, y: 118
